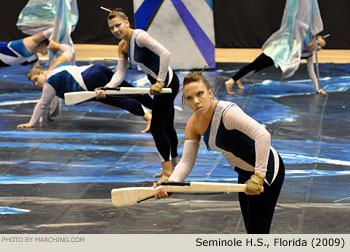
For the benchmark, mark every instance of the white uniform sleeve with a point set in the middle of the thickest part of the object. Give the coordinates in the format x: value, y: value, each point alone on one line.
x: 311, y: 72
x: 47, y: 33
x: 46, y: 97
x: 119, y: 75
x: 143, y: 39
x: 67, y: 51
x: 235, y: 118
x: 185, y: 166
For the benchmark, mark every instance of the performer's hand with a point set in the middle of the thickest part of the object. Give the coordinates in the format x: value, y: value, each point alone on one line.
x: 156, y: 88
x: 25, y: 125
x: 320, y: 91
x: 162, y: 193
x: 254, y: 185
x: 100, y: 94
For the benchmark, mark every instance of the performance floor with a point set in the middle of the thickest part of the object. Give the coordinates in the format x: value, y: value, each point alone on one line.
x: 56, y: 178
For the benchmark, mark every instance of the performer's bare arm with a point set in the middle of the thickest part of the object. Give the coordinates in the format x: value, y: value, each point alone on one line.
x: 32, y: 42
x: 313, y: 77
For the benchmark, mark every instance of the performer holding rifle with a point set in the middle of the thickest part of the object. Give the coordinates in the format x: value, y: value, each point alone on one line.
x: 153, y: 58
x: 64, y: 77
x: 245, y: 144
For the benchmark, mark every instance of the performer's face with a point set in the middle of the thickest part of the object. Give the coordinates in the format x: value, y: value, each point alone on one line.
x: 39, y: 79
x: 320, y: 42
x: 119, y: 27
x: 198, y: 97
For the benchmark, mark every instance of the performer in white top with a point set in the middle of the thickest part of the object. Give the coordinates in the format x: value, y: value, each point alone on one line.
x: 64, y: 77
x: 153, y: 58
x: 245, y: 144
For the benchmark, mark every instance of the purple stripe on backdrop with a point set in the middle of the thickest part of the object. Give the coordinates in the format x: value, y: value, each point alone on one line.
x: 202, y: 41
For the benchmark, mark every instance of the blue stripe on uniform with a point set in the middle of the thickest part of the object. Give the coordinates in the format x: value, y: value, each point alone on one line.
x: 20, y: 48
x: 5, y: 50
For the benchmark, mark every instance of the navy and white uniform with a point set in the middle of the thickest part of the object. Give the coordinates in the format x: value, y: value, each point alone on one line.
x: 246, y: 145
x: 70, y: 78
x: 153, y: 58
x: 240, y: 151
x: 237, y: 147
x: 14, y: 53
x: 263, y: 61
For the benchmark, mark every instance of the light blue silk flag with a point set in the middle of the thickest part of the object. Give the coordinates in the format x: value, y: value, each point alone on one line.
x: 39, y: 15
x: 285, y: 45
x: 64, y: 24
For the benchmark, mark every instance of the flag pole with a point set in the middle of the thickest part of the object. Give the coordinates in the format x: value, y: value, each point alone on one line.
x: 316, y: 58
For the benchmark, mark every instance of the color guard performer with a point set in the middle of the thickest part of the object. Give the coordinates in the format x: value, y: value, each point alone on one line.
x: 153, y: 58
x: 264, y: 61
x: 23, y: 51
x: 244, y: 143
x: 64, y: 77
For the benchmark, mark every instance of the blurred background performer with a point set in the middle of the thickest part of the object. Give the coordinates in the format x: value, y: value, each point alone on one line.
x: 299, y: 18
x: 287, y: 46
x: 63, y: 16
x: 24, y: 51
x: 63, y: 77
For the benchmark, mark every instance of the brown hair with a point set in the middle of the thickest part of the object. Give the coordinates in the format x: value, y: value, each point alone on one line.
x: 319, y: 36
x: 35, y: 71
x: 117, y: 12
x: 194, y: 77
